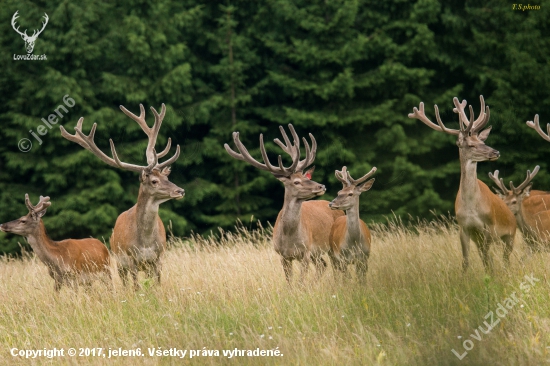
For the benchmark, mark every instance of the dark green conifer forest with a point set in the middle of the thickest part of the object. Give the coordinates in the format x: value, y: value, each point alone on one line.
x: 347, y: 71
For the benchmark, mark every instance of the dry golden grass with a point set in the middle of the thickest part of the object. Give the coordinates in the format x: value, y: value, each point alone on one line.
x: 414, y: 306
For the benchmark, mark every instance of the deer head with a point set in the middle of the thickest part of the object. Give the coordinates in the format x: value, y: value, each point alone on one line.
x: 154, y: 176
x: 27, y: 224
x: 29, y: 40
x: 513, y: 197
x: 348, y: 196
x: 471, y: 136
x: 297, y: 183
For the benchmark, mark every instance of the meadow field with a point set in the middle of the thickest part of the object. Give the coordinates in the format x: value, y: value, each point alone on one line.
x: 230, y: 293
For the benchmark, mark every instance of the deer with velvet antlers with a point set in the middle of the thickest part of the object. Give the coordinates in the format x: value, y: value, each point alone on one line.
x: 482, y: 216
x: 302, y: 229
x: 350, y: 237
x: 139, y: 237
x: 530, y: 207
x: 69, y: 261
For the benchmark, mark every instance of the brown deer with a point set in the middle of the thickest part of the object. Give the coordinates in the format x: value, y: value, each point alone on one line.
x: 350, y: 237
x: 70, y: 260
x: 481, y: 215
x: 302, y: 228
x: 139, y: 238
x: 530, y: 207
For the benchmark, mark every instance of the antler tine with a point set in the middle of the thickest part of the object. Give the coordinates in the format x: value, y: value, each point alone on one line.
x: 484, y: 115
x: 526, y: 182
x: 154, y: 131
x: 87, y: 142
x: 536, y: 126
x: 292, y: 150
x: 131, y: 167
x: 42, y: 204
x: 169, y: 161
x: 419, y: 114
x: 363, y: 178
x: 166, y: 149
x: 342, y: 176
x: 310, y: 154
x: 268, y: 165
x: 243, y: 153
x: 465, y: 126
x: 480, y: 122
x: 28, y: 203
x: 498, y: 182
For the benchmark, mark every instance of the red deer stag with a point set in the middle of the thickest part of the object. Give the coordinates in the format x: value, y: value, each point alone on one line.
x: 481, y: 215
x: 139, y: 238
x: 530, y: 207
x: 68, y: 260
x: 350, y: 237
x: 302, y: 228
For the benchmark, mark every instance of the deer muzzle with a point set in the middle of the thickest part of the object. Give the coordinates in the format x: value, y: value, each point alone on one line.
x: 178, y: 193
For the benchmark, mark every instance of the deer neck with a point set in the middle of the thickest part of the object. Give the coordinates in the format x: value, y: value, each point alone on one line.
x: 44, y: 247
x: 519, y: 216
x: 469, y: 187
x: 147, y: 209
x: 353, y: 225
x: 291, y: 214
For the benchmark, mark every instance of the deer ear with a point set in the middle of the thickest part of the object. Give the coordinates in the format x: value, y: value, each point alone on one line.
x: 166, y: 171
x: 498, y: 192
x: 309, y: 172
x: 41, y: 213
x: 143, y: 176
x: 366, y: 186
x: 485, y: 133
x: 527, y: 191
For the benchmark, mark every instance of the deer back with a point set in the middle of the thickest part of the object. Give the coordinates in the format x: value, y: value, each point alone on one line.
x: 84, y: 255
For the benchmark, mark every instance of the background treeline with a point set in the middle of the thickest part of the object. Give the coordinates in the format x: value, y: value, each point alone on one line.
x: 348, y: 71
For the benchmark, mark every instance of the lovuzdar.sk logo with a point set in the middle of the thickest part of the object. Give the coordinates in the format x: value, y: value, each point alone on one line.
x: 29, y: 40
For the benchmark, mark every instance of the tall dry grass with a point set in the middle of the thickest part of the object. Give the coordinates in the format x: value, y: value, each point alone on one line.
x: 230, y: 292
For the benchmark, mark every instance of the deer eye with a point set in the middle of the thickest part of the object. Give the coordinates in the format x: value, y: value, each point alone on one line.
x: 350, y: 194
x: 297, y: 182
x: 22, y: 221
x: 154, y: 181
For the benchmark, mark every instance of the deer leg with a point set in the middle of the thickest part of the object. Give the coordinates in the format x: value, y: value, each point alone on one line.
x: 287, y: 267
x: 134, y: 273
x: 508, y: 247
x: 465, y: 243
x: 320, y: 264
x: 361, y: 267
x: 156, y: 271
x: 483, y: 243
x: 305, y: 267
x: 123, y: 273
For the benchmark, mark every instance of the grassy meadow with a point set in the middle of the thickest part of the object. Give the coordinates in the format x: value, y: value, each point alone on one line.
x: 230, y: 292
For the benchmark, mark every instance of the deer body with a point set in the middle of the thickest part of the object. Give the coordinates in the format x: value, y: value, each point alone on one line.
x: 530, y: 207
x: 302, y: 229
x: 139, y: 237
x: 481, y: 215
x: 79, y: 260
x: 350, y: 237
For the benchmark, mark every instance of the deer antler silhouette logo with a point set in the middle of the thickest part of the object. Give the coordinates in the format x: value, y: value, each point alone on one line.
x: 29, y: 40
